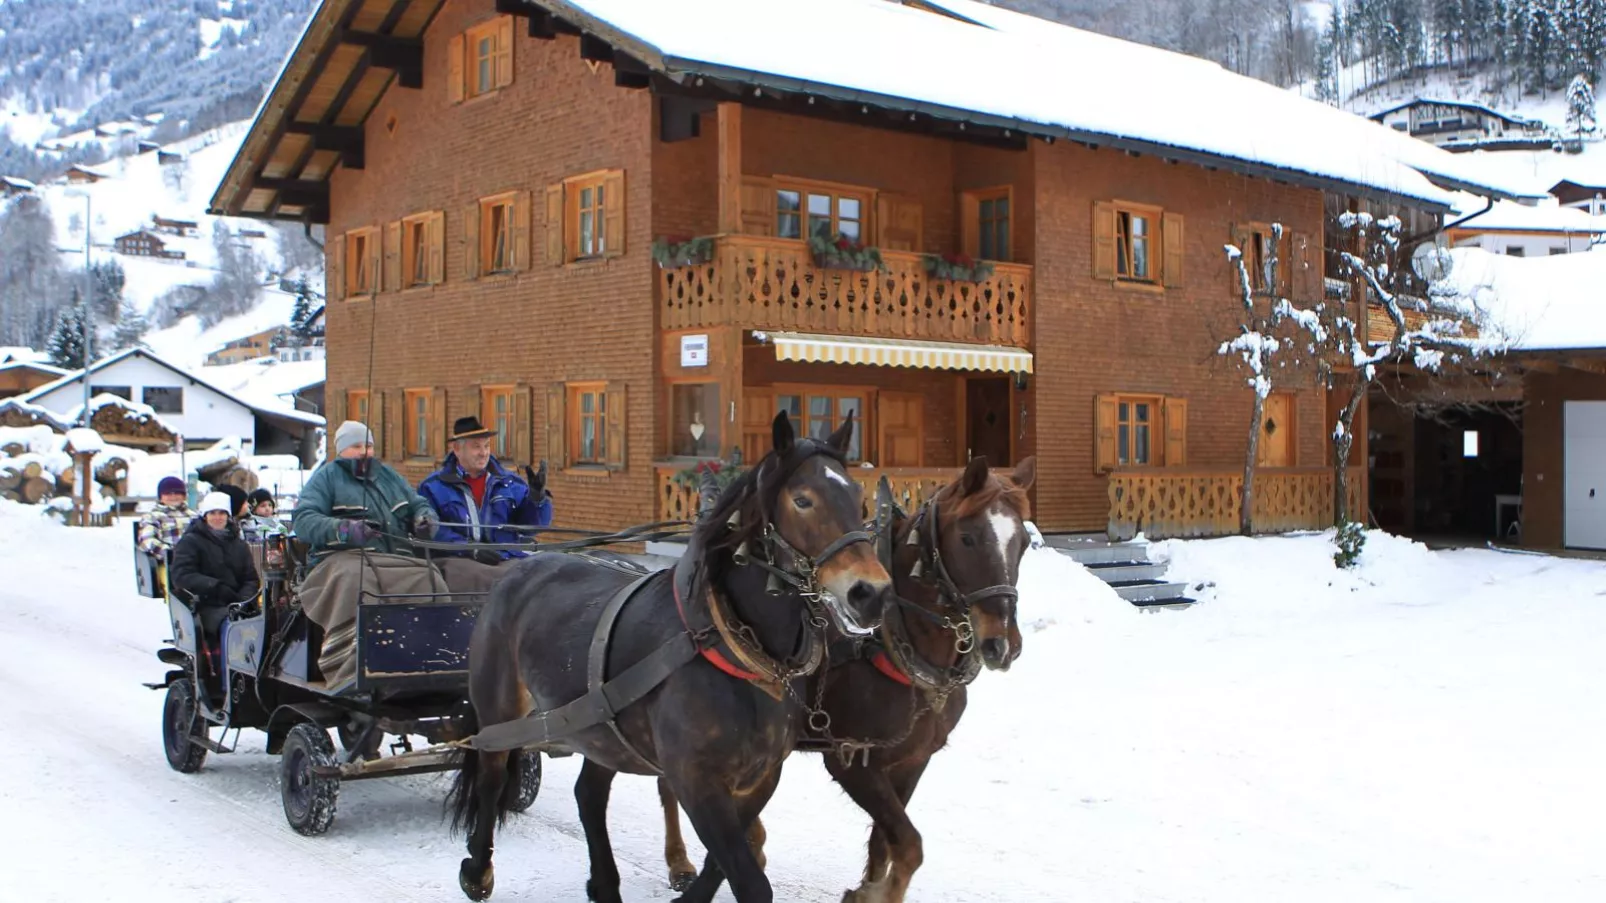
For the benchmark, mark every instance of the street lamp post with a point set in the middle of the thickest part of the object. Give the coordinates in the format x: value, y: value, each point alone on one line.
x: 83, y: 313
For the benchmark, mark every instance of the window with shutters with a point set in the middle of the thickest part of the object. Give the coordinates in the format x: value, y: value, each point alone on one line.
x: 992, y: 223
x: 586, y: 217
x: 488, y: 49
x: 804, y: 210
x: 1140, y: 430
x: 357, y: 405
x: 1135, y: 427
x: 362, y: 261
x: 496, y: 412
x: 422, y: 238
x: 416, y: 422
x: 588, y: 423
x: 497, y: 228
x: 1136, y: 243
x: 1262, y: 246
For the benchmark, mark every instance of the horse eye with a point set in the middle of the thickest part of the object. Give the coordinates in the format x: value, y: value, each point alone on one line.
x: 968, y: 540
x: 803, y: 502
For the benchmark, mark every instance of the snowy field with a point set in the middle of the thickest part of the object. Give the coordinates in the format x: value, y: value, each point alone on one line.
x: 1426, y: 728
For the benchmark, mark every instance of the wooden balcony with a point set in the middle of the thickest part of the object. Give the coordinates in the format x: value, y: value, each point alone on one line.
x: 1165, y: 503
x: 773, y: 284
x: 910, y: 487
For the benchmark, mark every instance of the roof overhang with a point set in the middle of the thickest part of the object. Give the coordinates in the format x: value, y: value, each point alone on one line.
x: 876, y: 352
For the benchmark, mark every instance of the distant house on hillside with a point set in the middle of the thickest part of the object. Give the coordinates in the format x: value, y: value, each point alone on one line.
x: 11, y: 186
x: 169, y: 158
x: 181, y: 227
x: 144, y: 243
x: 196, y: 408
x: 1589, y: 198
x: 1458, y: 125
x: 83, y: 175
x: 146, y: 147
x: 246, y: 348
x: 1520, y: 230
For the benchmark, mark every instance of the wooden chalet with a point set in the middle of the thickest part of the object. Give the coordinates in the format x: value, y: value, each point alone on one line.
x: 144, y: 243
x: 627, y: 252
x: 181, y: 227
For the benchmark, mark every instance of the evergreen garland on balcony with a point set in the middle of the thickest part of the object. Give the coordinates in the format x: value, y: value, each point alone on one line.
x: 843, y: 253
x: 670, y: 253
x: 958, y: 268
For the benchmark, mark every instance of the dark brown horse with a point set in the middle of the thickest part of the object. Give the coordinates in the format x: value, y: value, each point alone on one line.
x: 780, y: 555
x: 889, y: 705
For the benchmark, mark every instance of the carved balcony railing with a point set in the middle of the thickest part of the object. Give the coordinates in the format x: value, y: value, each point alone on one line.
x: 765, y: 283
x: 1165, y: 503
x: 910, y: 487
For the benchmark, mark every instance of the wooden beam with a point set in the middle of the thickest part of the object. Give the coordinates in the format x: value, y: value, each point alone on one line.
x: 404, y: 56
x: 298, y: 192
x: 629, y: 72
x: 730, y: 168
x: 595, y: 49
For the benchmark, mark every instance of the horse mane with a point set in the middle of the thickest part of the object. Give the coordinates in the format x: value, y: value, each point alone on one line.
x: 751, y: 495
x: 996, y: 489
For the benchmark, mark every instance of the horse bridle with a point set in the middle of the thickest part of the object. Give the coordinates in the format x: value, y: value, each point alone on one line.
x: 929, y: 544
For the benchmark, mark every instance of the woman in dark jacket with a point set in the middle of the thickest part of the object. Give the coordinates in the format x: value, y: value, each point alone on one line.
x: 212, y: 569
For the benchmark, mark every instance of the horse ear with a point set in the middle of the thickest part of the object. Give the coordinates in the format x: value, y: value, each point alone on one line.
x: 840, y: 439
x: 974, y: 479
x: 784, y: 436
x: 1025, y: 472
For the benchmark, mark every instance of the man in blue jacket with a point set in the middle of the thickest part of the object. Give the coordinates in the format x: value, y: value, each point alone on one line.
x: 480, y: 498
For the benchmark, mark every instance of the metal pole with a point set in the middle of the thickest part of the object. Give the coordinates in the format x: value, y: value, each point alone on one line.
x: 84, y: 311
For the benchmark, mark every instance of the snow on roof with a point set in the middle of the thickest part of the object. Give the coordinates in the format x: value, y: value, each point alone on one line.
x: 45, y: 415
x: 877, y: 51
x: 14, y: 353
x: 267, y: 383
x: 85, y: 440
x: 1508, y: 216
x: 1535, y: 303
x: 19, y: 184
x: 32, y: 365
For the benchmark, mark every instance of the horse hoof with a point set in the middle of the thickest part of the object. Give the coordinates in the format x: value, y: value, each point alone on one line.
x: 479, y: 889
x: 591, y: 894
x: 681, y: 881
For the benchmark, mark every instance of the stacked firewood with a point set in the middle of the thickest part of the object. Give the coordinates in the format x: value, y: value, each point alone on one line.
x: 26, y: 481
x: 124, y: 424
x: 229, y: 472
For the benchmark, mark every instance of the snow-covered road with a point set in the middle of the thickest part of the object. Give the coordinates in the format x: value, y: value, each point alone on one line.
x: 1427, y: 729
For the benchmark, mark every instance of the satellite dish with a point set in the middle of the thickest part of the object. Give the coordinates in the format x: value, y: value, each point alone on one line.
x: 1431, y: 261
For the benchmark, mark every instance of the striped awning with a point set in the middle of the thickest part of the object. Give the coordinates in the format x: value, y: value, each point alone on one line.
x: 837, y: 349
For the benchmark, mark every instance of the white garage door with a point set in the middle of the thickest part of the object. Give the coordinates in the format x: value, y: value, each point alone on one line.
x: 1584, y: 483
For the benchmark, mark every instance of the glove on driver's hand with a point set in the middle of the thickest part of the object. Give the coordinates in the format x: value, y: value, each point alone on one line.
x: 355, y: 532
x: 486, y: 556
x: 425, y: 527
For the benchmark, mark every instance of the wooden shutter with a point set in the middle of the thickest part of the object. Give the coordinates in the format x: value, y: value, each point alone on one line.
x: 437, y: 424
x: 521, y: 230
x: 519, y: 417
x: 618, y: 416
x: 1171, y: 247
x: 1307, y: 282
x: 334, y: 269
x: 455, y: 80
x: 376, y: 259
x: 557, y: 426
x: 613, y: 214
x: 392, y: 280
x: 758, y: 206
x: 758, y: 409
x: 504, y: 51
x: 900, y: 223
x: 970, y: 224
x: 554, y: 225
x: 1175, y: 413
x: 376, y: 422
x: 1103, y: 240
x: 899, y: 433
x: 435, y: 235
x: 471, y: 241
x: 1105, y: 424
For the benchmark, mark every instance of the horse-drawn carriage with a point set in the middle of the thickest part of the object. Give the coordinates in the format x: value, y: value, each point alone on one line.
x: 410, y: 680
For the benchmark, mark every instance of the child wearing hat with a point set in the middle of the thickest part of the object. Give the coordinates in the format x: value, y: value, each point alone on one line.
x: 161, y: 527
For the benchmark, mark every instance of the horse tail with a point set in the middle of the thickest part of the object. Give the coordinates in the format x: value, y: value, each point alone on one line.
x: 462, y: 803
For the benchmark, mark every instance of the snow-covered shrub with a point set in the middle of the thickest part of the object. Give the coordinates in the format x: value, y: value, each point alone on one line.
x: 1350, y: 540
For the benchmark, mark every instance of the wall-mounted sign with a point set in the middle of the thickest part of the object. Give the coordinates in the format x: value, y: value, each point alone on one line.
x: 694, y: 350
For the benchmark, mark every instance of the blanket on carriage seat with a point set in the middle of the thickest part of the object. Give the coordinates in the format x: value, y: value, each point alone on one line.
x: 331, y: 593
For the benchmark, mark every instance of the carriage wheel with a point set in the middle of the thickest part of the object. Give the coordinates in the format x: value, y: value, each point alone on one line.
x: 309, y: 798
x: 180, y: 722
x: 529, y: 778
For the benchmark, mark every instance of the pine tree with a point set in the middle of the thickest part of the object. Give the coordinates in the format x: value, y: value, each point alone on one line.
x: 1580, y: 107
x: 131, y: 327
x: 66, y: 346
x: 1327, y: 61
x: 301, y: 314
x: 106, y: 283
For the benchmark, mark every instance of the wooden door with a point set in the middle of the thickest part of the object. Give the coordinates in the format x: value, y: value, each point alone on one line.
x: 758, y: 410
x: 900, y: 434
x: 987, y: 419
x: 1277, y: 432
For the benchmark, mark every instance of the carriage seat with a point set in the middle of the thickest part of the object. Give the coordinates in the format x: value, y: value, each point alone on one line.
x: 150, y: 572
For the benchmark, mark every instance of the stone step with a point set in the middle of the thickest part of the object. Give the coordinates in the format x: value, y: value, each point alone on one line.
x: 1149, y: 592
x: 1089, y: 554
x: 1125, y: 571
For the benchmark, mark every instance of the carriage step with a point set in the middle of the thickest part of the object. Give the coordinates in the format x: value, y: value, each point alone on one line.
x: 207, y: 743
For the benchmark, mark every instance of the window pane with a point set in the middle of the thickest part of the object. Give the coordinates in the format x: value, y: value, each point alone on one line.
x: 585, y: 198
x: 588, y: 402
x: 588, y: 439
x: 1123, y: 440
x: 820, y: 227
x: 819, y: 406
x: 791, y: 404
x: 787, y: 225
x: 787, y: 201
x: 1142, y: 411
x: 848, y: 229
x: 588, y: 234
x: 1140, y: 226
x: 1141, y: 442
x: 820, y: 205
x: 854, y: 406
x: 1001, y: 210
x: 695, y: 420
x: 986, y: 210
x: 848, y: 208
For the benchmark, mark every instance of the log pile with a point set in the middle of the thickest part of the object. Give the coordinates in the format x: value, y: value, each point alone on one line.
x: 15, y: 413
x: 228, y: 472
x: 127, y: 426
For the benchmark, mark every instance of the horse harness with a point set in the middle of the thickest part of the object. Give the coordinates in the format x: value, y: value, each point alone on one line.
x: 606, y: 698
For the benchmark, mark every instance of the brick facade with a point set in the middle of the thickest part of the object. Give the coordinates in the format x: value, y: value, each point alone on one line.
x: 596, y: 320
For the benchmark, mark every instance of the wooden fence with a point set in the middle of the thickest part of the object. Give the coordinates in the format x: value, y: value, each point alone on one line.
x: 1165, y: 503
